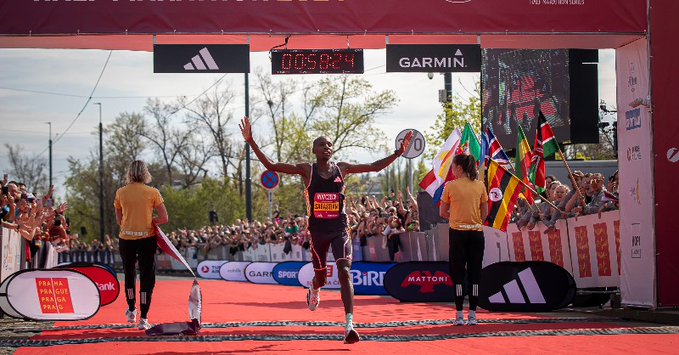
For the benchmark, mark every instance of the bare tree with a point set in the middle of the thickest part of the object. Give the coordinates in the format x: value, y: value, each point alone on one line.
x: 192, y: 159
x: 29, y: 170
x: 211, y: 113
x: 168, y: 142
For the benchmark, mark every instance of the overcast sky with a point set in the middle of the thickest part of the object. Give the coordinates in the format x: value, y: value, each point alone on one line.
x: 37, y: 86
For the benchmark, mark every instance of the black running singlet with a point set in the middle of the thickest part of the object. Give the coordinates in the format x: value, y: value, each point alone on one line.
x: 325, y: 201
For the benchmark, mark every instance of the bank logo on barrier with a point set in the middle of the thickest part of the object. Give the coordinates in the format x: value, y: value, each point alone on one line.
x: 286, y: 273
x: 368, y: 278
x: 103, y: 276
x: 420, y: 282
x: 209, y: 269
x: 530, y: 286
x: 234, y: 270
x: 260, y: 273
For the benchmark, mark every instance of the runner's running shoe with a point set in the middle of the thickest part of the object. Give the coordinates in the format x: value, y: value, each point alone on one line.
x: 131, y: 316
x: 313, y: 298
x: 144, y: 324
x: 471, y: 320
x: 459, y: 320
x: 351, y: 336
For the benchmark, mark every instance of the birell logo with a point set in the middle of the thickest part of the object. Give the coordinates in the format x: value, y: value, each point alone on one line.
x: 54, y: 295
x: 367, y: 278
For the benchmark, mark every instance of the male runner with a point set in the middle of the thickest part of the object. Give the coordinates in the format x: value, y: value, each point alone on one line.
x: 325, y: 182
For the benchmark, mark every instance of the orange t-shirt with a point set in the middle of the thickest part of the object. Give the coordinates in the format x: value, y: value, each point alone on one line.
x: 465, y: 197
x: 137, y: 201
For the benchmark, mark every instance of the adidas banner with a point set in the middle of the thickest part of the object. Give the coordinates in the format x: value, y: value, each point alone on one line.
x: 531, y: 286
x: 198, y: 58
x: 420, y: 282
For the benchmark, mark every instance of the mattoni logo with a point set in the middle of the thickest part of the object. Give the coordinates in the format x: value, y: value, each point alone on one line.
x: 202, y: 61
x: 512, y: 290
x: 426, y: 280
x: 673, y: 155
x: 495, y: 194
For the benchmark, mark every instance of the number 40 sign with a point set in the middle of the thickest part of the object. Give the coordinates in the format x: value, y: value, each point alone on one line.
x: 417, y: 144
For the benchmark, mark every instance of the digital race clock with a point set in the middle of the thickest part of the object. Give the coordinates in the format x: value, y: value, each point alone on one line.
x: 317, y: 61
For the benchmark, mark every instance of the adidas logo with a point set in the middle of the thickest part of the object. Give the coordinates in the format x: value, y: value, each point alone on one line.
x: 202, y: 61
x: 337, y: 179
x: 524, y: 289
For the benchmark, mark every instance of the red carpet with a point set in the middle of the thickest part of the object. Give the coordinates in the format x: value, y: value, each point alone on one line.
x: 263, y: 319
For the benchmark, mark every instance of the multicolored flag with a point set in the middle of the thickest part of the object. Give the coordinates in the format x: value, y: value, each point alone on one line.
x: 503, y: 191
x: 545, y: 147
x: 469, y: 144
x: 522, y: 162
x: 491, y: 149
x: 435, y: 180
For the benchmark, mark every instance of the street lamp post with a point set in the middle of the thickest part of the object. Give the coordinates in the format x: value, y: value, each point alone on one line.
x: 101, y: 176
x: 50, y: 151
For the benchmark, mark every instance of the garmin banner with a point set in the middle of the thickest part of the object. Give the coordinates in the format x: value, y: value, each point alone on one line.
x: 368, y: 278
x: 234, y: 270
x: 49, y: 295
x: 209, y: 269
x: 531, y: 286
x: 433, y: 58
x: 260, y: 273
x: 306, y: 274
x: 637, y: 205
x: 209, y: 58
x: 287, y: 273
x: 420, y: 282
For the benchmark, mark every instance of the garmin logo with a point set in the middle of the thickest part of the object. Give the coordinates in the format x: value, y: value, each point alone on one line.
x: 455, y: 61
x: 259, y: 274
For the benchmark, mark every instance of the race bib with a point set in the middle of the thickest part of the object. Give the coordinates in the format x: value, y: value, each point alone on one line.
x: 327, y: 205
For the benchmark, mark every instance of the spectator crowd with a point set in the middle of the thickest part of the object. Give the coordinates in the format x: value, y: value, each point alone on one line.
x: 585, y: 194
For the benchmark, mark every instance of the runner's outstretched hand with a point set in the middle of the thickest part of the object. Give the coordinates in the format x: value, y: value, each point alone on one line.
x: 246, y: 129
x: 406, y: 142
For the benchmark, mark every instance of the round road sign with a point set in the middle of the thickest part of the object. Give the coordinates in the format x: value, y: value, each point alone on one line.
x: 270, y: 180
x: 417, y: 144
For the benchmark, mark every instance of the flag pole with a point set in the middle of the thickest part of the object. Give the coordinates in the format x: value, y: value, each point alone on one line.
x: 570, y: 174
x: 533, y: 191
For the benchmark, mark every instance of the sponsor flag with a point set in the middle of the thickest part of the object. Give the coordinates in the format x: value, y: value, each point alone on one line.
x: 441, y: 172
x: 503, y: 191
x: 545, y: 147
x: 469, y: 144
x: 491, y: 149
x: 195, y: 296
x: 522, y: 162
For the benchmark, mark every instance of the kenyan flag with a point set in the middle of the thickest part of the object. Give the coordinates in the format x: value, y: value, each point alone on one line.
x: 545, y: 147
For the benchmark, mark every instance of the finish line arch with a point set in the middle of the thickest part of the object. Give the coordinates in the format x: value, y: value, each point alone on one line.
x: 642, y: 31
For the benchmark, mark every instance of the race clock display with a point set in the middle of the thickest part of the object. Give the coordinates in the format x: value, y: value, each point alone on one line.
x: 317, y: 61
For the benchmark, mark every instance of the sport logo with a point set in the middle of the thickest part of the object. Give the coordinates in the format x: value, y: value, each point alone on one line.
x: 202, y: 61
x: 495, y: 194
x: 426, y: 281
x: 512, y: 290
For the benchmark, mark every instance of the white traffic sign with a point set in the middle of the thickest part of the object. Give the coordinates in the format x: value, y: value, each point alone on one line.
x: 417, y: 144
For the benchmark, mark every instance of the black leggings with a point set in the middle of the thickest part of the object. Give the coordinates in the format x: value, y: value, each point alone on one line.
x: 466, y: 257
x: 142, y: 251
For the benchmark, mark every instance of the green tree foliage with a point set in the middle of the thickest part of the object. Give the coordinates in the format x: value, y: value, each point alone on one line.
x: 455, y: 115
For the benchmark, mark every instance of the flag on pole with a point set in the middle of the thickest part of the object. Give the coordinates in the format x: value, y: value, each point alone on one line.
x: 503, y: 191
x: 522, y: 162
x: 469, y: 143
x: 545, y: 147
x: 491, y: 149
x: 441, y: 172
x: 195, y: 295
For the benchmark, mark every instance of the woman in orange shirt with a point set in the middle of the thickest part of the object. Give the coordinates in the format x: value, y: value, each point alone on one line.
x: 134, y: 206
x: 465, y: 204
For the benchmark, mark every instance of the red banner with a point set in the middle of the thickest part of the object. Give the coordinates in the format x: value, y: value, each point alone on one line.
x: 39, y: 17
x: 665, y: 86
